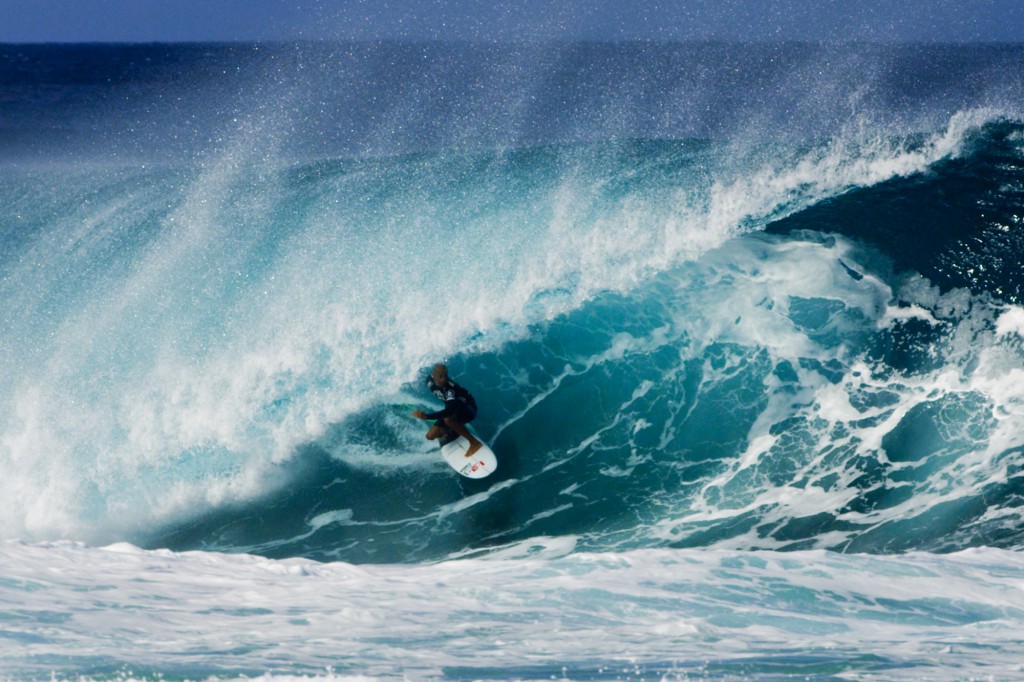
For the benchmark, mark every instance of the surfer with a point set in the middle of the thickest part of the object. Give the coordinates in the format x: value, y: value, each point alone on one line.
x: 459, y: 409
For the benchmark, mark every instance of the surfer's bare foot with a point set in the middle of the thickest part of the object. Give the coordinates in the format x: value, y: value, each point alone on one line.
x: 473, y: 447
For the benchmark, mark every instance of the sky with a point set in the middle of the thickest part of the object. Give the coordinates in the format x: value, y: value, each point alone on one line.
x: 961, y: 21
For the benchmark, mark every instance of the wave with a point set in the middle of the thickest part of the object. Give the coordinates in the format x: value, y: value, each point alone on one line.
x: 775, y: 395
x: 690, y: 341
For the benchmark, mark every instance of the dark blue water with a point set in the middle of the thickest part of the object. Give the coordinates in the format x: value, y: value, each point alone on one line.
x: 706, y: 295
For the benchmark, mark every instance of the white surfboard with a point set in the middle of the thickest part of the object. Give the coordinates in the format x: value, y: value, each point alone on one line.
x: 482, y: 463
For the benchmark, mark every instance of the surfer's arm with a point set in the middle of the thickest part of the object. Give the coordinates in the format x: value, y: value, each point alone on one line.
x: 420, y: 414
x: 435, y: 415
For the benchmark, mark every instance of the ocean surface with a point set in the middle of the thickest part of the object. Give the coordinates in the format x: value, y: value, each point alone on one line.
x: 745, y: 324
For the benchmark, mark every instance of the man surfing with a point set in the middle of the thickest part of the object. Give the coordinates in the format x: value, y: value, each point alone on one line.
x: 459, y: 409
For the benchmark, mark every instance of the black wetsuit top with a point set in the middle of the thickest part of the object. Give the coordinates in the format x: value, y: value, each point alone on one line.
x: 457, y: 401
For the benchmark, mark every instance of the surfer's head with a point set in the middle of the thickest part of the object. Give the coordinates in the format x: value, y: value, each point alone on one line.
x: 440, y: 374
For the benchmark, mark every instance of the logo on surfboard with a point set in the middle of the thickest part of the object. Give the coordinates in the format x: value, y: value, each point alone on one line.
x: 473, y: 467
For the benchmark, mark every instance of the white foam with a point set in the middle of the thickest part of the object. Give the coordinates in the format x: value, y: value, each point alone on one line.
x: 902, y: 616
x: 834, y: 412
x: 904, y: 313
x: 1011, y: 321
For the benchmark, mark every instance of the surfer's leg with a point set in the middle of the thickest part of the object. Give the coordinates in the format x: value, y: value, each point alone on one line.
x: 435, y: 432
x: 460, y: 429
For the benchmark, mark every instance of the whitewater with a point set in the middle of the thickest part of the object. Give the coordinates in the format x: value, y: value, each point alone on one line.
x: 744, y: 323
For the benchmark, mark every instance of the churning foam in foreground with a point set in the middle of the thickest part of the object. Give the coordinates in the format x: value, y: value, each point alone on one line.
x: 671, y: 614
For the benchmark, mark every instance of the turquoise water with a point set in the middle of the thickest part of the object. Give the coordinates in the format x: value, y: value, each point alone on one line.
x: 794, y: 331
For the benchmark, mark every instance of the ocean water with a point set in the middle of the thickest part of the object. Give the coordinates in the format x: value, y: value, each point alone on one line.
x: 745, y: 324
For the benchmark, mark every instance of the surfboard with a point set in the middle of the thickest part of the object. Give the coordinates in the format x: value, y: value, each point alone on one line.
x: 482, y: 463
